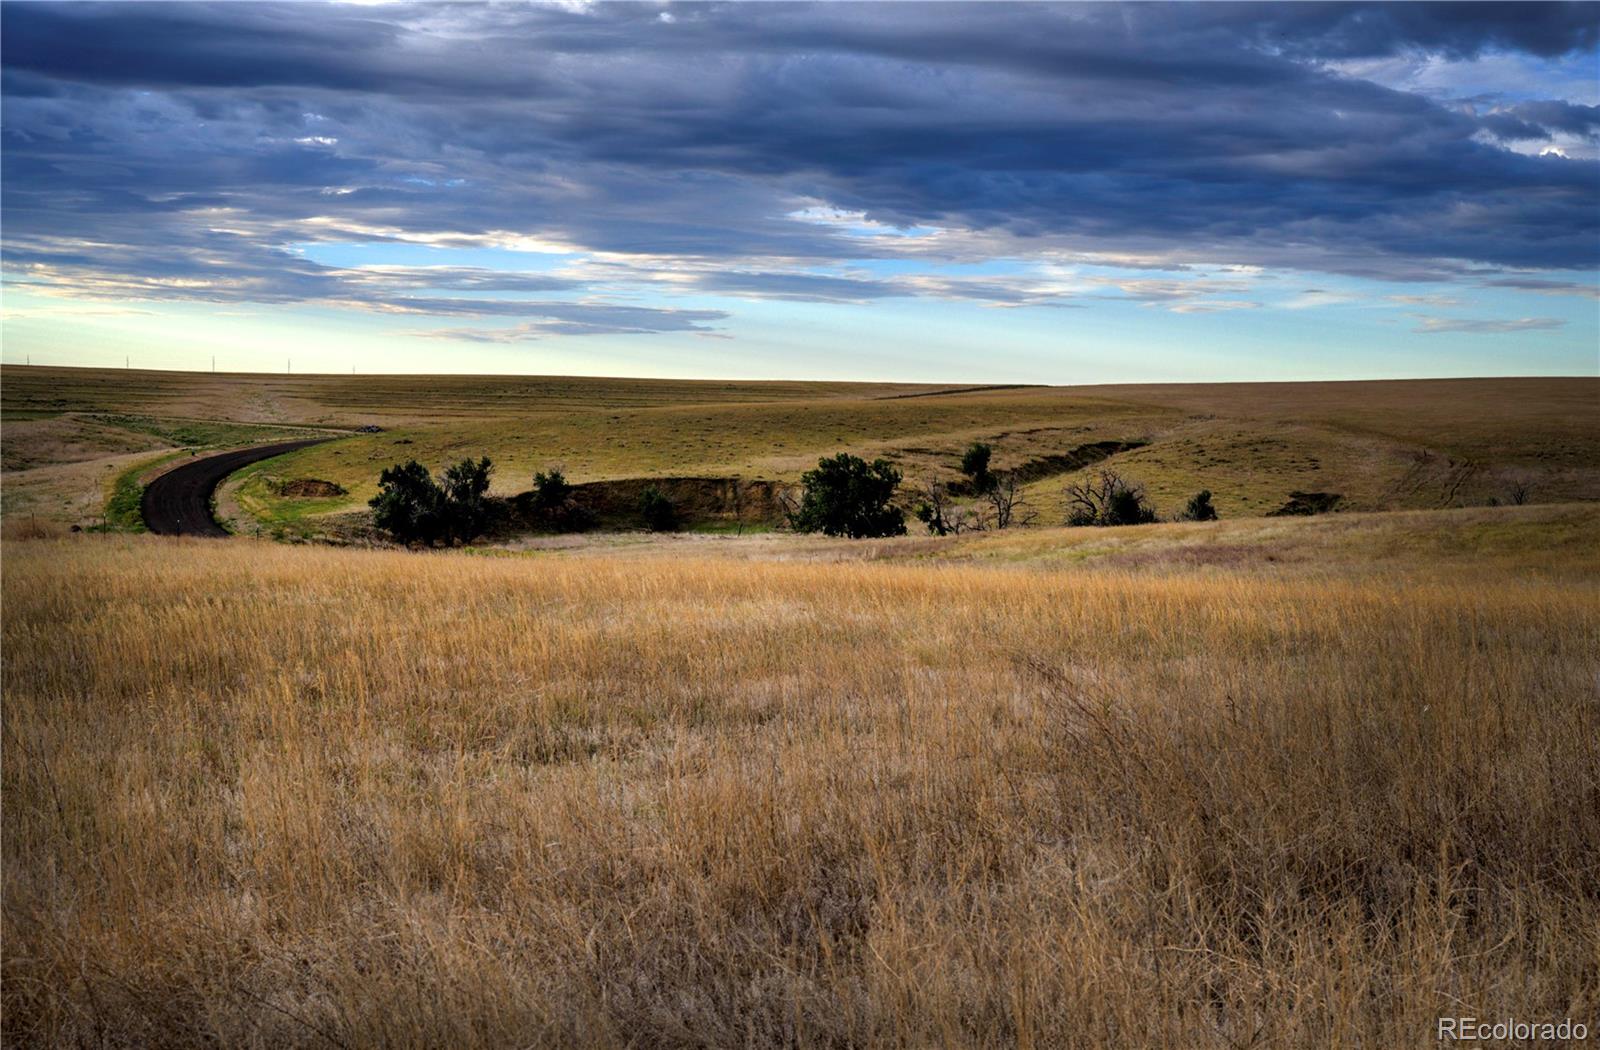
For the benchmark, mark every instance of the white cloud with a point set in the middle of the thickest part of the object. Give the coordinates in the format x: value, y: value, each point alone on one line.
x: 1211, y: 306
x: 1488, y: 326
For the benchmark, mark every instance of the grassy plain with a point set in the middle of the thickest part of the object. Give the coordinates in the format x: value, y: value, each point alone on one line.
x: 1382, y: 445
x: 1255, y: 783
x: 1258, y: 782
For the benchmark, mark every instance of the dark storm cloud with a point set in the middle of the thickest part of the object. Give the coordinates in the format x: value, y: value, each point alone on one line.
x: 385, y: 49
x: 181, y: 150
x: 1373, y: 30
x: 201, y: 45
x: 1559, y: 116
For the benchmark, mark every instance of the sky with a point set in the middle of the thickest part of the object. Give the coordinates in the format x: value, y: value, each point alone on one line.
x: 949, y: 192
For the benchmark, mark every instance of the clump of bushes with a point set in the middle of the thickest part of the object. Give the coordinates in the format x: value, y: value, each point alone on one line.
x: 1303, y: 503
x: 1106, y: 498
x: 847, y: 496
x: 550, y: 491
x: 413, y: 507
x: 466, y: 488
x: 409, y: 505
x: 1199, y: 508
x: 553, y: 506
x: 975, y: 465
x: 657, y: 510
x: 1001, y: 503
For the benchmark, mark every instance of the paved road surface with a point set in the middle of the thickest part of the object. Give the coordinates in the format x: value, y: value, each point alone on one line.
x: 178, y: 503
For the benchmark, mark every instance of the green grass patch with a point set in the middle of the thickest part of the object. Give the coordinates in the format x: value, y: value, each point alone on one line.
x: 122, y: 507
x: 261, y: 504
x: 122, y: 510
x: 202, y: 433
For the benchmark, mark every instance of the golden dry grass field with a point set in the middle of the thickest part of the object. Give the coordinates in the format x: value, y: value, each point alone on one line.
x: 1270, y: 783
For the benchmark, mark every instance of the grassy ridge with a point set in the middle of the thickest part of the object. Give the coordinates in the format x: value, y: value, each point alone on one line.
x: 1381, y: 445
x: 961, y: 793
x: 777, y: 440
x: 342, y: 400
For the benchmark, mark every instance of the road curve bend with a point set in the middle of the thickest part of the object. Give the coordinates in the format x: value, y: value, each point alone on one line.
x: 178, y: 503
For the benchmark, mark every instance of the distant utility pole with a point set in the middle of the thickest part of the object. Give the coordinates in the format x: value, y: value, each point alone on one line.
x: 287, y: 362
x: 213, y: 364
x: 125, y: 360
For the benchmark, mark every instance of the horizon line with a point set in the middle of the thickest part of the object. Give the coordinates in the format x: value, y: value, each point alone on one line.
x: 976, y: 385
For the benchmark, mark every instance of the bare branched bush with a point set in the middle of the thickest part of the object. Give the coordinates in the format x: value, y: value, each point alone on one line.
x: 937, y: 509
x: 1006, y: 500
x: 1001, y: 506
x: 1104, y: 497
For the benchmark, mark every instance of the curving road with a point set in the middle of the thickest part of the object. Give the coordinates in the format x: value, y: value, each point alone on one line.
x: 178, y: 503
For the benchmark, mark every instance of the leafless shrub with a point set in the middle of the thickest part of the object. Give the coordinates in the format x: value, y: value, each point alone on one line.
x: 937, y: 509
x: 1010, y: 507
x: 1104, y: 497
x: 943, y: 516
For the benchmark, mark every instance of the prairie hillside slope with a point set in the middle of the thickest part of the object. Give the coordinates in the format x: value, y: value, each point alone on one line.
x: 1381, y: 445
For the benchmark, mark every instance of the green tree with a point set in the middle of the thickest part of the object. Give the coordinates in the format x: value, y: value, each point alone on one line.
x: 554, y: 505
x: 409, y: 505
x: 466, y: 486
x: 550, y: 491
x: 414, y: 508
x: 975, y: 465
x: 847, y: 496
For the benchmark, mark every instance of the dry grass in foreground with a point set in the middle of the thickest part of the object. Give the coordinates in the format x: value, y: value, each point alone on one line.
x: 267, y: 796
